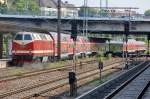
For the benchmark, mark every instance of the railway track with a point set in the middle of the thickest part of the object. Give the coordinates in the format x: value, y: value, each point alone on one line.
x: 29, y: 68
x: 67, y: 67
x: 49, y: 85
x: 112, y: 88
x: 140, y: 82
x: 144, y: 90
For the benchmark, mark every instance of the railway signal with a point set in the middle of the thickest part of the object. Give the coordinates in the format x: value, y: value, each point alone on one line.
x: 74, y: 30
x: 100, y: 66
x: 72, y: 82
x: 126, y: 30
x: 148, y: 38
x: 1, y: 46
x: 72, y: 75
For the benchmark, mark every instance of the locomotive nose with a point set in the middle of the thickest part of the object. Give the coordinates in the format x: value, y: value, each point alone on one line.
x: 22, y: 44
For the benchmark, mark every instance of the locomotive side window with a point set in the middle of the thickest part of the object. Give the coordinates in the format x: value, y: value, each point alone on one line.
x: 27, y: 37
x: 43, y: 37
x: 48, y: 37
x: 38, y: 37
x: 34, y: 37
x: 19, y: 37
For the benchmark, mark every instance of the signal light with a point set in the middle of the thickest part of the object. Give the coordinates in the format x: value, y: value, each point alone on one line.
x: 148, y: 36
x: 126, y: 26
x: 74, y: 30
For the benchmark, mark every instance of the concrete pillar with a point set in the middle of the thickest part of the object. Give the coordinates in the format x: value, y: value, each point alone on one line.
x: 1, y: 46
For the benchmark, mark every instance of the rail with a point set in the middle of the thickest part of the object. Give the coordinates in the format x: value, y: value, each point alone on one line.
x: 64, y: 79
x: 143, y: 91
x: 98, y: 92
x: 34, y: 73
x: 111, y: 95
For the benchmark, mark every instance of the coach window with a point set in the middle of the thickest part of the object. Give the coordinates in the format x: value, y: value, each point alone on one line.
x: 64, y: 39
x: 19, y: 37
x: 78, y: 39
x: 27, y: 37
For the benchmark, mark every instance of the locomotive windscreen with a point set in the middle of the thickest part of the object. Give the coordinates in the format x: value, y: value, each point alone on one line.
x: 27, y: 37
x: 23, y: 37
x: 19, y: 37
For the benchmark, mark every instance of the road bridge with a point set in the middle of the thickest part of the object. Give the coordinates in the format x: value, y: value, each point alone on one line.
x: 15, y: 23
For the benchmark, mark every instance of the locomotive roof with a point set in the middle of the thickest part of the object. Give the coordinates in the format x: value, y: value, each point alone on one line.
x: 30, y: 33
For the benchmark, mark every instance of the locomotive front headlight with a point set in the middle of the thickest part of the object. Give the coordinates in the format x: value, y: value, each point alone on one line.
x: 30, y: 51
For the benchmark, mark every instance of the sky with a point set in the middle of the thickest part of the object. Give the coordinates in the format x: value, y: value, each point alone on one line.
x: 141, y: 4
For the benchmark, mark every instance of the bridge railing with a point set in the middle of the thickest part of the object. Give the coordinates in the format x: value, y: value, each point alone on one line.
x: 108, y: 15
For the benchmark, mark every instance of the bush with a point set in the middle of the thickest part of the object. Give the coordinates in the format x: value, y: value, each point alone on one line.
x: 109, y: 56
x: 100, y: 57
x: 146, y: 52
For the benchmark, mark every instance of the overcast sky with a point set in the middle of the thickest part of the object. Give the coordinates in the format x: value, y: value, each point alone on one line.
x: 141, y: 4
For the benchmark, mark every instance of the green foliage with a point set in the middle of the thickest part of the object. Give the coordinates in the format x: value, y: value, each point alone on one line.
x: 3, y: 8
x: 90, y: 11
x: 17, y: 72
x: 103, y: 13
x: 109, y: 56
x: 26, y: 5
x: 20, y: 5
x: 33, y: 7
x: 147, y: 12
x: 100, y: 57
x: 146, y: 52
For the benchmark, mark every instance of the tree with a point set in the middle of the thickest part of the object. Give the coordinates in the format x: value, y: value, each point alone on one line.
x: 33, y: 6
x: 3, y: 8
x: 19, y: 5
x: 25, y: 6
x: 147, y: 12
x: 103, y: 12
x: 90, y: 11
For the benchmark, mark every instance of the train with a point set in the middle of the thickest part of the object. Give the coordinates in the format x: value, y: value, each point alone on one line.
x: 117, y: 48
x: 29, y: 46
x: 42, y: 47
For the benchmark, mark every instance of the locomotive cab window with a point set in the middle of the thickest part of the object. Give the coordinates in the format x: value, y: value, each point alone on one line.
x: 27, y: 37
x: 19, y: 37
